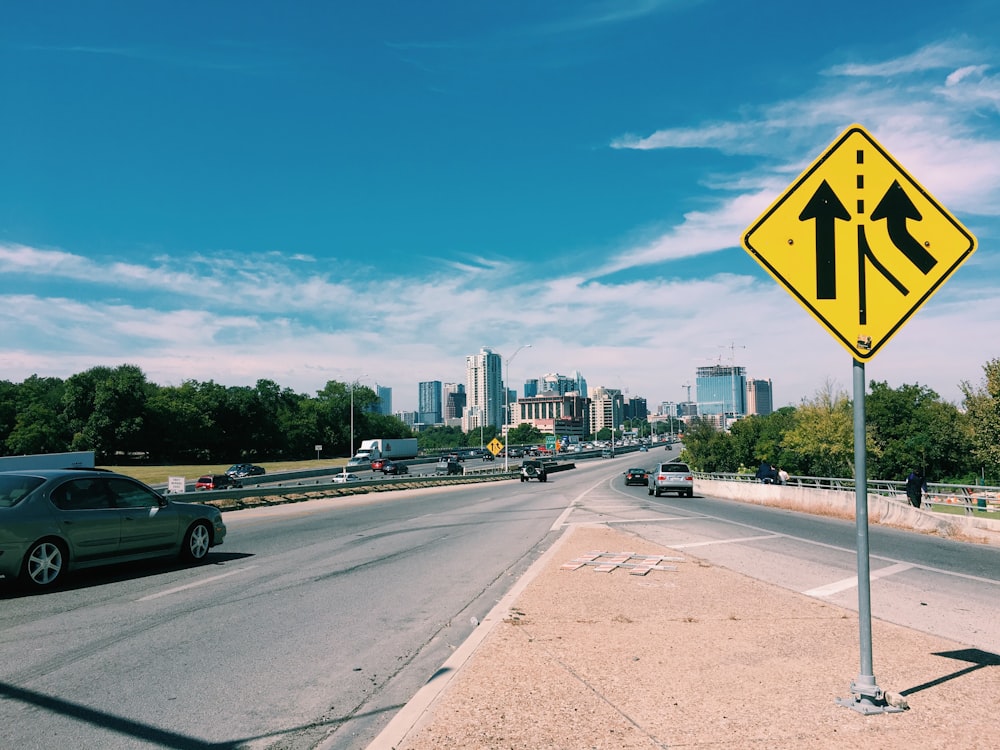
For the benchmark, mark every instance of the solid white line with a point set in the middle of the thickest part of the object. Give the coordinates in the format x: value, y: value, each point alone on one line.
x: 849, y: 583
x: 202, y: 582
x: 559, y: 522
x: 724, y: 541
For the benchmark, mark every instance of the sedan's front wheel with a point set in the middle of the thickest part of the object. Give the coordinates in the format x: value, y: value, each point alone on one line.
x: 44, y: 564
x: 196, y: 542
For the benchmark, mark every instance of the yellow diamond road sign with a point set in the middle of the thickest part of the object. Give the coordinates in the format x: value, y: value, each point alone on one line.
x: 495, y: 446
x: 859, y: 242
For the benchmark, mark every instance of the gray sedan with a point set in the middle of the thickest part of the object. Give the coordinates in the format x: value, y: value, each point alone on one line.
x: 56, y: 520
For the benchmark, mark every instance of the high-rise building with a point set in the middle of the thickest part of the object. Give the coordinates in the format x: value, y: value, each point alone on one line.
x: 531, y: 387
x: 429, y: 402
x: 759, y: 397
x: 721, y: 390
x: 483, y: 390
x: 581, y: 383
x: 606, y: 407
x: 384, y: 405
x: 453, y: 401
x: 565, y: 415
x: 635, y: 408
x: 556, y: 383
x: 409, y: 418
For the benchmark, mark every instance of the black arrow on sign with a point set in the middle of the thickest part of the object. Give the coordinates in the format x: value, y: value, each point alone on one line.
x: 896, y: 207
x: 825, y: 207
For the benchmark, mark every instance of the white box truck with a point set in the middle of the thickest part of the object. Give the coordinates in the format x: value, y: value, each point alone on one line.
x: 72, y: 460
x: 394, y: 448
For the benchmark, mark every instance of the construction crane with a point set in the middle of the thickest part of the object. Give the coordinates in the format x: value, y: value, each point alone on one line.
x: 688, y: 386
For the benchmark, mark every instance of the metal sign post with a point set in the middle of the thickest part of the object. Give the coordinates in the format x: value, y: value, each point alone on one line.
x: 862, y: 246
x: 868, y: 697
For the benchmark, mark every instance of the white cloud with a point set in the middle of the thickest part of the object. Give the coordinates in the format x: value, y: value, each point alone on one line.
x: 237, y: 318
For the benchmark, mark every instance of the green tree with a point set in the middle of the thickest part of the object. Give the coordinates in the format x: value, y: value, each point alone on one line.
x: 179, y: 427
x: 39, y: 425
x: 440, y: 438
x: 8, y: 411
x: 525, y: 434
x: 909, y: 427
x: 823, y: 434
x: 335, y: 410
x: 705, y: 448
x: 982, y: 405
x: 107, y: 410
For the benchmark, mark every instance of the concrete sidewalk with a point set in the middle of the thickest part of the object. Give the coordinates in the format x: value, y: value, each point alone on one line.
x: 694, y: 657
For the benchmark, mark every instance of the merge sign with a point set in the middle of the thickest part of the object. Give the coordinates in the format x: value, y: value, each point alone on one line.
x: 859, y: 243
x: 495, y: 446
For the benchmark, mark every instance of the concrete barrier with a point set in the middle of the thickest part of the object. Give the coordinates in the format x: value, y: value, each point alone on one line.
x: 841, y: 504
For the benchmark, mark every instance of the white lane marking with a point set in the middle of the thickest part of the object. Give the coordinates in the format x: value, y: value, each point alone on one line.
x: 726, y: 541
x: 849, y: 583
x: 576, y: 501
x: 202, y: 582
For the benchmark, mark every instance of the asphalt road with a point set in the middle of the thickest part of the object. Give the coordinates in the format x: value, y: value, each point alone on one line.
x: 316, y: 621
x: 311, y: 618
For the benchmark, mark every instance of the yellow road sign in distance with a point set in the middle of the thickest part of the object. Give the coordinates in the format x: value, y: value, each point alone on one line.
x: 859, y: 242
x: 495, y: 446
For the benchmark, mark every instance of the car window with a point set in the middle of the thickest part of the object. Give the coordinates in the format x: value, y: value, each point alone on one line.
x: 681, y: 468
x: 128, y: 494
x: 81, y: 494
x: 13, y: 488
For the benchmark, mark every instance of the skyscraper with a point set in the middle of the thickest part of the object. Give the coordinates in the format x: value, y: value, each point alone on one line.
x: 453, y: 395
x: 384, y: 399
x: 760, y: 399
x: 606, y: 407
x: 483, y: 390
x: 721, y: 390
x: 429, y: 402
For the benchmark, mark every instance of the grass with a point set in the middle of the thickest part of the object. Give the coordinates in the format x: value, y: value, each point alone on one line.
x: 159, y: 474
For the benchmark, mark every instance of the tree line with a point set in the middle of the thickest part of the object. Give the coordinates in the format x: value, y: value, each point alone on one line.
x: 121, y: 416
x: 906, y: 428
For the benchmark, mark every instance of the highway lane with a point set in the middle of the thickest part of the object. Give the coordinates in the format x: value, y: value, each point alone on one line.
x: 318, y: 620
x: 313, y: 618
x: 940, y: 586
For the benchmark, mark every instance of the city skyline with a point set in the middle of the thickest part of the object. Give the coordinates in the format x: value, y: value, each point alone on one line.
x: 367, y: 193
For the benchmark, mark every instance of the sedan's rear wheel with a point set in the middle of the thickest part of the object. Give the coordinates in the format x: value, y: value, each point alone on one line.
x: 196, y: 542
x: 44, y: 564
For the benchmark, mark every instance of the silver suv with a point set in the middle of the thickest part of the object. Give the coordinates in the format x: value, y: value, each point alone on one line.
x: 671, y: 477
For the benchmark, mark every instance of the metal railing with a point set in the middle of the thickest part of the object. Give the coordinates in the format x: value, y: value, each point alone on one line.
x: 971, y: 499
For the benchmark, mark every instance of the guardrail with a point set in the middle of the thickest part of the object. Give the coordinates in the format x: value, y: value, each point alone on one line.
x: 971, y: 499
x: 298, y: 488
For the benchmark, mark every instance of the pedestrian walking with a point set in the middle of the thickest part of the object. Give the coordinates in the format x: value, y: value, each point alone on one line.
x: 916, y: 487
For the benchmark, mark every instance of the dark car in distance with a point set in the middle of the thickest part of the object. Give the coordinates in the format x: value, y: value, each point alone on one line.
x: 391, y: 467
x: 53, y: 521
x: 245, y: 470
x: 636, y: 476
x: 444, y: 466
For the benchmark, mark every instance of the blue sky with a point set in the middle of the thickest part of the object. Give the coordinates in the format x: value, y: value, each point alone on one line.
x: 316, y: 191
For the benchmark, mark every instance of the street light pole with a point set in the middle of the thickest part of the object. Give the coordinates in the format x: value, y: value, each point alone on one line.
x: 506, y: 395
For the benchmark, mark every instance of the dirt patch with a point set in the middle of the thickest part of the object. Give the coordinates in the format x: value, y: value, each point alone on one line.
x: 698, y: 657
